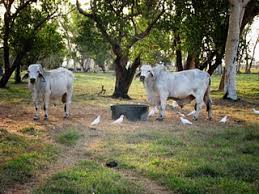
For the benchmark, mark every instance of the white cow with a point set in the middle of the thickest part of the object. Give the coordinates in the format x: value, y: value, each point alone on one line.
x: 46, y: 85
x: 183, y: 87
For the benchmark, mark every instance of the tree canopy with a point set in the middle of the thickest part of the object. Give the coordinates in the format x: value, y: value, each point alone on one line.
x: 191, y: 32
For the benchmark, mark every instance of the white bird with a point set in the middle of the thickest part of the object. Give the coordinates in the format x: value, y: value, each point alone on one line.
x: 175, y: 104
x: 224, y: 119
x: 256, y: 111
x: 119, y: 120
x: 96, y: 120
x: 181, y: 114
x: 185, y: 121
x: 156, y: 110
x: 153, y: 111
x: 191, y: 113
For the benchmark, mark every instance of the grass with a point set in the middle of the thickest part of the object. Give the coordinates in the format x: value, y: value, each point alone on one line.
x: 20, y: 157
x: 204, y: 158
x: 89, y: 177
x: 192, y: 161
x: 68, y: 137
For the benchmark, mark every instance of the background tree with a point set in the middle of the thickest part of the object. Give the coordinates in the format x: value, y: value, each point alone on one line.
x: 26, y: 16
x: 237, y: 10
x: 90, y: 42
x: 123, y: 24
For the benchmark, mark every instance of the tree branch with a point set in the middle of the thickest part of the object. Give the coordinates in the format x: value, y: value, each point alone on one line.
x: 99, y: 24
x: 143, y: 34
x: 18, y: 10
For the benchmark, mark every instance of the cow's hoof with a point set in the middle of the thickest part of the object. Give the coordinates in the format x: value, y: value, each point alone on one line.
x: 66, y: 116
x: 36, y: 118
x: 160, y: 119
x: 210, y: 119
x: 194, y: 118
x: 46, y: 118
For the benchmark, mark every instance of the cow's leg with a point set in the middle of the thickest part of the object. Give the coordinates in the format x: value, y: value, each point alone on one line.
x: 208, y: 103
x: 46, y: 106
x: 199, y: 101
x: 67, y: 104
x: 163, y: 99
x: 37, y: 107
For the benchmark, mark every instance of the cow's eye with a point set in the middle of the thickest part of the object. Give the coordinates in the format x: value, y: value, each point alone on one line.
x: 38, y: 71
x: 28, y: 71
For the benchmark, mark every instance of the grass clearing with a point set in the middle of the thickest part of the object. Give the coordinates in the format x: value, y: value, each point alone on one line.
x: 20, y: 158
x: 89, y: 177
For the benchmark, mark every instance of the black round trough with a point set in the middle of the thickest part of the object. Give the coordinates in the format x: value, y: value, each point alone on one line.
x: 133, y: 112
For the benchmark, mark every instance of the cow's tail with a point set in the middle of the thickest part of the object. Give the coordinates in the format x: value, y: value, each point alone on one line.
x: 208, y: 100
x: 64, y: 98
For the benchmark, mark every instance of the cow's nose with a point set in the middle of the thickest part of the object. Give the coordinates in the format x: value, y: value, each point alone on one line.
x: 32, y: 80
x: 142, y: 78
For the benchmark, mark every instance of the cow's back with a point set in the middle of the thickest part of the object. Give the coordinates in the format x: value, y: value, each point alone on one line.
x: 184, y: 83
x: 59, y: 81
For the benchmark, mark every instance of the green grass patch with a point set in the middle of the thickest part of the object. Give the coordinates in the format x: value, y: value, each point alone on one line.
x: 214, y: 160
x: 68, y: 137
x: 89, y: 177
x: 20, y: 157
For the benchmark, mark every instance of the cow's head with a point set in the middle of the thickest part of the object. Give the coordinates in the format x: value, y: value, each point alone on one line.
x: 35, y: 71
x: 145, y: 71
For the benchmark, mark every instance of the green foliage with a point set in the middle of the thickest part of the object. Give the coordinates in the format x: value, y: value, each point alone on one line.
x: 88, y: 177
x: 68, y: 137
x: 43, y: 42
x: 156, y: 47
x: 90, y: 43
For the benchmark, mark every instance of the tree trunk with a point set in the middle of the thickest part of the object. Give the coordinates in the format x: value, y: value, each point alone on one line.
x: 9, y: 72
x: 124, y: 76
x: 190, y: 61
x: 6, y: 77
x: 235, y: 20
x: 17, y: 77
x: 212, y: 68
x: 222, y: 80
x: 253, y: 54
x: 177, y: 44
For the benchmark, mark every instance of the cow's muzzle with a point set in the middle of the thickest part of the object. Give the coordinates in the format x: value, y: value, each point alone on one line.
x: 32, y: 80
x: 142, y: 78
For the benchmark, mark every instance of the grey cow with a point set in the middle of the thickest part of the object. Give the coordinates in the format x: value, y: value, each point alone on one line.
x: 183, y: 87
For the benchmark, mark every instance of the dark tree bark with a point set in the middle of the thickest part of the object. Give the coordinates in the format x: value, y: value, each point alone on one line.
x: 190, y: 61
x: 177, y: 44
x: 252, y: 10
x: 218, y: 61
x: 17, y: 76
x: 222, y: 80
x: 10, y: 71
x: 124, y: 77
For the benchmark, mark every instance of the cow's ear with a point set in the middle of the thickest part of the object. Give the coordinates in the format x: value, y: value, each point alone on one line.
x: 26, y: 76
x: 41, y: 76
x: 137, y: 75
x: 151, y: 73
